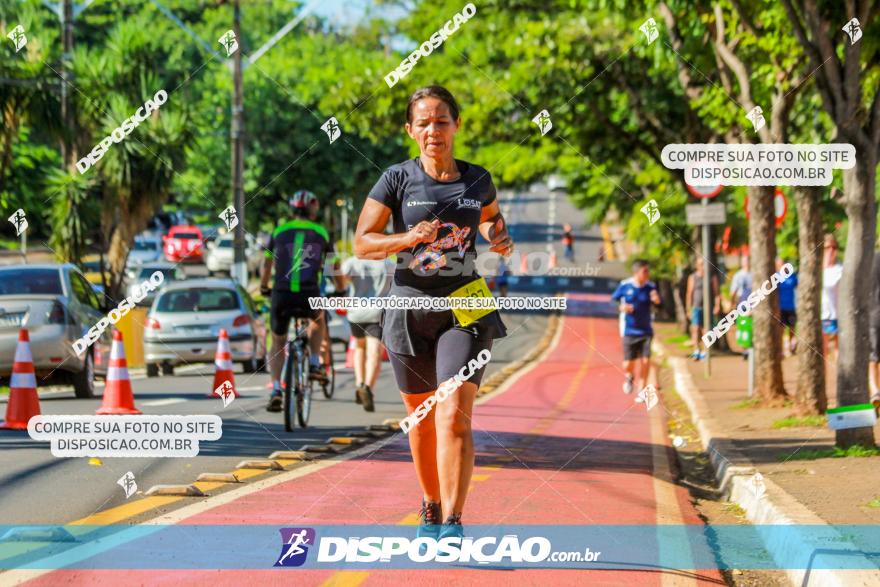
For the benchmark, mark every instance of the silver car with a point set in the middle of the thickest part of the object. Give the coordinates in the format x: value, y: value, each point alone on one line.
x: 57, y: 306
x: 146, y: 249
x: 221, y: 254
x: 184, y: 324
x: 170, y: 272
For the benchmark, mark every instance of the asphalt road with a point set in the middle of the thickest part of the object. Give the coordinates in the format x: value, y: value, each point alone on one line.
x: 41, y: 489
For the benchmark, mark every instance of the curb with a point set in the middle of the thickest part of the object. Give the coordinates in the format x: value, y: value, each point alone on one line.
x: 733, y: 471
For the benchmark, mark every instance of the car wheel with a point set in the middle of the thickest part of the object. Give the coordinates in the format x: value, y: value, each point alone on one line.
x: 84, y: 381
x: 152, y: 370
x: 167, y: 369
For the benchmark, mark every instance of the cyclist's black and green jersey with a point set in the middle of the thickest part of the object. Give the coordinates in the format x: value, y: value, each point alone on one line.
x: 299, y: 248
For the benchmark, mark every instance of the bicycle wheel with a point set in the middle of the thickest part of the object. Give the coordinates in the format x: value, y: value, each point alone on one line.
x: 330, y: 369
x: 304, y: 388
x: 287, y: 379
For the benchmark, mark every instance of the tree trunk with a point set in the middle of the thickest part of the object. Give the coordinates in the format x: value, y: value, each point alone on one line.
x: 855, y: 286
x: 140, y: 209
x: 810, y: 396
x: 765, y: 327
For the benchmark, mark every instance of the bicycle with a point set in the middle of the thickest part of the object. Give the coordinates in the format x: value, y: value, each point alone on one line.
x: 295, y: 381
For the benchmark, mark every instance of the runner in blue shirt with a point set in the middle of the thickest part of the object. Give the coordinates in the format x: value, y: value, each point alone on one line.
x: 635, y: 296
x: 787, y: 307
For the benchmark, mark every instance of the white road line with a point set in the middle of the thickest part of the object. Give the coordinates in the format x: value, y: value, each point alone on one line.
x: 164, y: 402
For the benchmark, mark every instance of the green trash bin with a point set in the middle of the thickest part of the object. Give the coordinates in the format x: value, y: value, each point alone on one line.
x: 744, y: 331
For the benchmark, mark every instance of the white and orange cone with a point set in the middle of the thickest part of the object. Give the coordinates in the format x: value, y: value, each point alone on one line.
x: 524, y: 264
x: 552, y: 259
x: 118, y: 397
x: 24, y: 402
x: 223, y: 365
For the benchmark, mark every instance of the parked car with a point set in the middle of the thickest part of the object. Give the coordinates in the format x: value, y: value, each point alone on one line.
x: 58, y: 306
x: 221, y: 254
x: 170, y: 272
x: 146, y: 249
x: 183, y: 243
x: 184, y: 323
x: 211, y: 232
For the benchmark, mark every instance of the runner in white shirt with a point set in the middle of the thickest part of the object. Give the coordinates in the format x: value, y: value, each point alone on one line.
x: 832, y: 272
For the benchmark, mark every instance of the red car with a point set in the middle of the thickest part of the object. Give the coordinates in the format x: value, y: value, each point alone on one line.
x: 183, y: 243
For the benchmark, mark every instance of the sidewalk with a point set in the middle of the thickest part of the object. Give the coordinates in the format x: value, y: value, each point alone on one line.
x: 838, y: 490
x: 557, y: 444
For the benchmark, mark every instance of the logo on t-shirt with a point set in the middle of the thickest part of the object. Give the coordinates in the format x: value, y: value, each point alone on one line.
x: 419, y: 203
x: 468, y: 203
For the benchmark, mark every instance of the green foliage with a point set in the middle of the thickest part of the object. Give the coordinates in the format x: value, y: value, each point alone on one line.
x: 831, y: 453
x: 800, y: 422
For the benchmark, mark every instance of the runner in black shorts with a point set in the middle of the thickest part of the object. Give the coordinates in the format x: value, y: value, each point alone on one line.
x: 297, y: 250
x: 438, y: 205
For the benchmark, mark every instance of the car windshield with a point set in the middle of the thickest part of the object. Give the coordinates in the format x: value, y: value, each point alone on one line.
x: 200, y: 299
x: 185, y: 235
x: 148, y: 271
x: 30, y: 281
x: 145, y: 246
x: 225, y: 243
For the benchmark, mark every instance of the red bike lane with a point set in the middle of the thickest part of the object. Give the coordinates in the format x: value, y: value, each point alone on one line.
x: 560, y: 444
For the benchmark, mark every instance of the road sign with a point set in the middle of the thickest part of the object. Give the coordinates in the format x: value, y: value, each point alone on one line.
x: 711, y: 214
x: 780, y: 206
x: 704, y: 191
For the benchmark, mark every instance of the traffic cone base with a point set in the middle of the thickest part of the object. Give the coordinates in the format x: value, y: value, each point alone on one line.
x: 223, y: 365
x: 24, y: 403
x: 118, y: 396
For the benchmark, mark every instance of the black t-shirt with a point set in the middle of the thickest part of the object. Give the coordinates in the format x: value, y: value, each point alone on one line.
x: 413, y: 196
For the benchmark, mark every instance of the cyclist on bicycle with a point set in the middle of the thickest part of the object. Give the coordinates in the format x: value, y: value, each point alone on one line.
x: 297, y: 250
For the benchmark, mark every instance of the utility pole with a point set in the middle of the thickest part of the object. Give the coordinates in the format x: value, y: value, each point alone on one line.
x: 239, y: 264
x: 68, y: 156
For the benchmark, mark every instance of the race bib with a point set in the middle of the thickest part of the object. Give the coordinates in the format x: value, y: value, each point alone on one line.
x: 474, y: 289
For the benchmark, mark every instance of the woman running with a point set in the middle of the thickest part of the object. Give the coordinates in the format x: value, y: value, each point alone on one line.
x: 438, y: 204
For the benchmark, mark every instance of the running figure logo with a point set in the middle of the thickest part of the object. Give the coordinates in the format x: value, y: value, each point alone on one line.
x: 19, y: 221
x: 128, y: 484
x: 649, y: 27
x: 18, y: 37
x: 229, y: 218
x: 294, y: 548
x: 756, y: 116
x: 229, y: 42
x: 652, y: 211
x: 543, y: 121
x: 432, y: 256
x: 224, y: 390
x: 854, y: 29
x: 331, y: 127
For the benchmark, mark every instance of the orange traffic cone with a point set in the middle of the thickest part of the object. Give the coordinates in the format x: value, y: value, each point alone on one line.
x: 524, y: 264
x: 552, y: 259
x: 349, y: 353
x: 118, y: 397
x: 23, y: 399
x: 223, y: 365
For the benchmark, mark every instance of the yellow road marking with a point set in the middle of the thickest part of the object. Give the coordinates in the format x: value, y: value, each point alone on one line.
x: 126, y: 510
x: 346, y: 579
x: 479, y: 477
x: 248, y: 473
x: 209, y: 485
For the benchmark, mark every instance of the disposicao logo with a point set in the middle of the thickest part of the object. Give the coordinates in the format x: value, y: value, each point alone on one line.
x: 294, y: 547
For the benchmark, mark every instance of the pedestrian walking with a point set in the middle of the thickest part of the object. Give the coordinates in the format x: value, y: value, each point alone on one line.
x: 368, y: 279
x: 787, y: 289
x: 832, y: 273
x: 636, y: 296
x: 694, y: 305
x: 874, y: 358
x: 568, y: 242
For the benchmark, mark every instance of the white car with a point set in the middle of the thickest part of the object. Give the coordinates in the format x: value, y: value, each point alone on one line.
x: 146, y: 249
x: 221, y: 254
